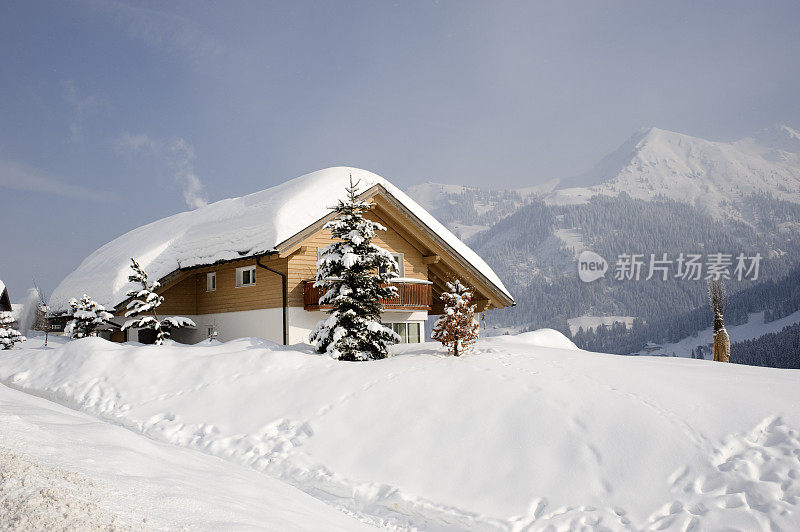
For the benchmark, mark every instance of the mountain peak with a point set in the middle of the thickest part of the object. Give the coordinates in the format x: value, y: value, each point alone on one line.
x: 780, y: 137
x: 657, y: 162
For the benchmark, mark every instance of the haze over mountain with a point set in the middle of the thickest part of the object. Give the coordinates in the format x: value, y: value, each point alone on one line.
x: 660, y: 192
x: 656, y: 162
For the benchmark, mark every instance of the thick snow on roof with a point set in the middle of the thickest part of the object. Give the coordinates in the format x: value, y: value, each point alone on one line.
x: 230, y: 229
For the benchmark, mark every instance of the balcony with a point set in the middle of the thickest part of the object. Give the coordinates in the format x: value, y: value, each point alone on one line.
x: 411, y: 296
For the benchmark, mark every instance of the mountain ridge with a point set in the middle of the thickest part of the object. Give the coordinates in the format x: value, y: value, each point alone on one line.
x: 658, y: 162
x: 674, y: 194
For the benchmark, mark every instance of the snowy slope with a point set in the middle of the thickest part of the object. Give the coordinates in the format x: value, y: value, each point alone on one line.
x: 592, y: 322
x: 65, y: 470
x: 468, y: 211
x: 693, y: 170
x: 229, y: 229
x: 754, y: 328
x: 430, y: 195
x: 527, y: 431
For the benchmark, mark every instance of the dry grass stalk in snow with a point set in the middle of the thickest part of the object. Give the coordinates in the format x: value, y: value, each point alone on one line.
x: 717, y: 299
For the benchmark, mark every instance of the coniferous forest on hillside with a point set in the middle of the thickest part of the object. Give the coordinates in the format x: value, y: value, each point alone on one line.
x: 533, y: 246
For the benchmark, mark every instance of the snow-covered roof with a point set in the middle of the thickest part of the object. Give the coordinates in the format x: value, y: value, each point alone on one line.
x: 231, y: 229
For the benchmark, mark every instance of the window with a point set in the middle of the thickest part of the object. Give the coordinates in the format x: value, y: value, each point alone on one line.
x: 246, y: 276
x: 400, y: 267
x: 409, y: 332
x: 211, y: 281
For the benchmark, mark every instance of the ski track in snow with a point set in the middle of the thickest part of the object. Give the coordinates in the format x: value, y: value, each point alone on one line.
x: 749, y: 480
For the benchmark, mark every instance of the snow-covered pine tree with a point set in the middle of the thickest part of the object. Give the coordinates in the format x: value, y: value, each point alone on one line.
x: 8, y: 335
x: 143, y: 307
x: 87, y: 317
x: 457, y: 328
x: 356, y: 273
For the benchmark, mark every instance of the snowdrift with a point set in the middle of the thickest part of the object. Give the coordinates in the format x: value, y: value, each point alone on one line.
x: 524, y: 431
x: 540, y: 338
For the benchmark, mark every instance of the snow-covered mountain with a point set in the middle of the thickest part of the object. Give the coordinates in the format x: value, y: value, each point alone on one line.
x: 660, y: 192
x: 468, y: 210
x: 714, y: 176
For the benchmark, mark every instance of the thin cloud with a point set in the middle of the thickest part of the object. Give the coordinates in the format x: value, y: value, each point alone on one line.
x: 161, y: 29
x: 82, y: 107
x: 178, y: 158
x: 20, y: 176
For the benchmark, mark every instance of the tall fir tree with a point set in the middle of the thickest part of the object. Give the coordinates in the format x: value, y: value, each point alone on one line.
x: 143, y: 307
x: 8, y: 334
x: 457, y: 329
x: 87, y: 317
x: 357, y: 274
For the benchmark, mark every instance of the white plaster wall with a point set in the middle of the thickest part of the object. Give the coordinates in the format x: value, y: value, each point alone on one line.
x: 268, y: 324
x: 301, y: 322
x: 262, y: 323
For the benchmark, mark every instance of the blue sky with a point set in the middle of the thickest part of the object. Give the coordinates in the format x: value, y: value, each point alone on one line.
x: 114, y: 114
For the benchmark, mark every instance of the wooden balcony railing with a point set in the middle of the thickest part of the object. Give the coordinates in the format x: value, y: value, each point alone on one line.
x: 411, y: 296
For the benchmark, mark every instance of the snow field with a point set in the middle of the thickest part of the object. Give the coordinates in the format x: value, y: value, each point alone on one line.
x: 64, y: 470
x: 525, y: 433
x: 592, y: 322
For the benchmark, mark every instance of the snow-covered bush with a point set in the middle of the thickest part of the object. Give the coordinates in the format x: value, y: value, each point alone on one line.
x: 457, y: 328
x: 87, y: 317
x: 356, y: 273
x: 143, y: 307
x: 8, y: 335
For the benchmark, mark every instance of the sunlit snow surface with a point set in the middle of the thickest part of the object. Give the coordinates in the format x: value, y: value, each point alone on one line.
x: 525, y: 431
